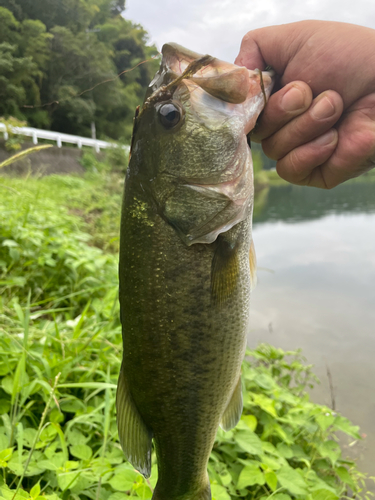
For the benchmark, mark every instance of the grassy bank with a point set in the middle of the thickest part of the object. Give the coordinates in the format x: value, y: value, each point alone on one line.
x: 60, y: 354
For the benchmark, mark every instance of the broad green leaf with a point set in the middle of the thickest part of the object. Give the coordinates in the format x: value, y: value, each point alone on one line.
x: 271, y: 462
x: 84, y: 481
x: 35, y: 490
x: 316, y: 483
x: 250, y: 421
x: 280, y: 496
x: 53, y: 496
x: 81, y: 451
x: 71, y: 464
x: 72, y: 405
x: 119, y: 496
x: 292, y: 481
x: 345, y: 477
x: 7, y: 384
x: 67, y: 480
x: 284, y: 450
x: 298, y: 451
x: 5, y: 455
x: 29, y: 435
x: 48, y: 433
x: 124, y: 480
x: 265, y: 381
x: 344, y: 425
x: 9, y: 494
x: 225, y: 477
x: 56, y: 458
x: 73, y: 436
x: 330, y: 449
x: 4, y: 441
x: 56, y: 416
x: 143, y: 491
x: 9, y: 243
x: 47, y: 464
x: 249, y: 442
x: 325, y: 420
x: 324, y: 495
x: 270, y: 448
x: 219, y: 492
x: 250, y: 475
x: 4, y: 406
x: 271, y: 479
x: 265, y: 403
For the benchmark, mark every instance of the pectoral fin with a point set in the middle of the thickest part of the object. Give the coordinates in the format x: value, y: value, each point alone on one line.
x: 135, y: 437
x: 224, y: 270
x: 233, y: 411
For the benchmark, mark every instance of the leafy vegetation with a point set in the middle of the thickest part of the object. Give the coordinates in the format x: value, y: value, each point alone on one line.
x: 60, y: 353
x: 55, y: 56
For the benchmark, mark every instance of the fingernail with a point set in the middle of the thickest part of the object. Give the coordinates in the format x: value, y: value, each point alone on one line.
x: 323, y: 109
x: 293, y: 100
x: 327, y: 138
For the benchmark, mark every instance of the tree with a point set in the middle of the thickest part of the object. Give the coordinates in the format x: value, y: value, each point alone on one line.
x: 16, y: 82
x: 81, y: 62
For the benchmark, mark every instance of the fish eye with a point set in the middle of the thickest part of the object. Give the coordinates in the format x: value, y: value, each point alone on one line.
x: 169, y: 115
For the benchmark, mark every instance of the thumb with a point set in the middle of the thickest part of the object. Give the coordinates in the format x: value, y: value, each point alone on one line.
x: 250, y: 54
x: 273, y: 46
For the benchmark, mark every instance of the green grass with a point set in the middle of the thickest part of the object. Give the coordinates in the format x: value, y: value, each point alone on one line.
x: 60, y: 354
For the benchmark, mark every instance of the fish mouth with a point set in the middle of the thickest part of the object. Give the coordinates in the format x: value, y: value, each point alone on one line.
x: 225, y: 81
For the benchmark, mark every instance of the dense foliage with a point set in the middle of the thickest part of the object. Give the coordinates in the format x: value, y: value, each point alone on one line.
x: 52, y: 54
x: 60, y: 352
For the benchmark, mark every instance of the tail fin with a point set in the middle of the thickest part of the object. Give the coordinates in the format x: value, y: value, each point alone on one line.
x: 203, y: 493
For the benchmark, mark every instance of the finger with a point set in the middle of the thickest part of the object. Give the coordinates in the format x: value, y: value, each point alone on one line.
x: 289, y: 102
x: 273, y: 45
x: 250, y: 55
x: 296, y: 166
x: 353, y: 155
x: 324, y: 112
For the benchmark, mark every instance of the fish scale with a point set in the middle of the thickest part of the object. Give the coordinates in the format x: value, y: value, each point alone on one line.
x: 184, y: 291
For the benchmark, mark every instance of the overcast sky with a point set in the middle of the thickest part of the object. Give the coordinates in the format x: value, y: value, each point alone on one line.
x: 217, y: 26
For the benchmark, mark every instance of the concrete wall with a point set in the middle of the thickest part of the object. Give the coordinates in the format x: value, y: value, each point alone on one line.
x: 53, y: 160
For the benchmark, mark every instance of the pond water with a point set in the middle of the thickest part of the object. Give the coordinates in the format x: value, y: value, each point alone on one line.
x: 316, y: 290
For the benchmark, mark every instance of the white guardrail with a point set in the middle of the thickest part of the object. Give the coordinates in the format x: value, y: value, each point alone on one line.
x: 60, y: 138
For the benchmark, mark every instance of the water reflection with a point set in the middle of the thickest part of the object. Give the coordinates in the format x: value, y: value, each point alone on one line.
x: 316, y: 290
x: 293, y: 203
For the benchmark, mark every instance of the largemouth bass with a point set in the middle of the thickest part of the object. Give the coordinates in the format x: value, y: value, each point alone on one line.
x: 186, y: 266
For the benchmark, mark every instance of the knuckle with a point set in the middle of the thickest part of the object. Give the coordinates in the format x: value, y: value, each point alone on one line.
x: 248, y: 38
x: 293, y: 162
x: 270, y: 150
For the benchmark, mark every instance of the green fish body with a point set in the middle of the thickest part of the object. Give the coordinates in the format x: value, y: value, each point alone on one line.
x: 185, y: 271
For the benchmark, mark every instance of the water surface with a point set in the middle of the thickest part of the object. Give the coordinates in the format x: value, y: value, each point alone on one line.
x: 316, y: 290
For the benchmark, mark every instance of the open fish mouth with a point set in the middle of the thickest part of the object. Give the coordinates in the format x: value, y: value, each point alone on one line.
x: 227, y: 82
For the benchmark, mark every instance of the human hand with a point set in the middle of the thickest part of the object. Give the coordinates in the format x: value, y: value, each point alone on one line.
x: 320, y: 127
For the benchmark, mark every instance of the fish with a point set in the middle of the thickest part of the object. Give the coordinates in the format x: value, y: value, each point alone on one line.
x: 186, y: 266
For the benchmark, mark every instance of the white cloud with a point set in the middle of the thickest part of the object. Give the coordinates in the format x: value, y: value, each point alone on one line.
x: 217, y: 26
